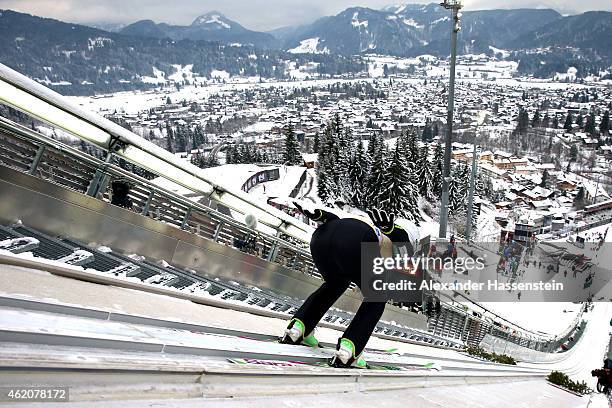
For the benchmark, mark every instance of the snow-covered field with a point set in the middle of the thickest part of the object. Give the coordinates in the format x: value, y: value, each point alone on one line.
x: 133, y: 102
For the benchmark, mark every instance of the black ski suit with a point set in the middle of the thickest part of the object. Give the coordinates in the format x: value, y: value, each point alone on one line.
x: 336, y: 251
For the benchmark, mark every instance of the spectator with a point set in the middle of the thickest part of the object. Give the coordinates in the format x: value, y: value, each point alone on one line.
x: 120, y: 194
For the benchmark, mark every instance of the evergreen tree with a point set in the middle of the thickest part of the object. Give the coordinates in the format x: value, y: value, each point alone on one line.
x: 590, y: 124
x: 409, y: 148
x: 376, y: 180
x: 399, y: 195
x: 569, y: 120
x: 555, y: 123
x: 579, y: 201
x: 457, y: 189
x: 324, y: 182
x: 573, y: 153
x: 336, y: 125
x: 343, y: 153
x: 544, y: 182
x: 325, y: 178
x: 229, y: 157
x: 522, y: 122
x: 423, y: 174
x: 292, y: 155
x: 437, y: 168
x: 580, y: 121
x: 198, y: 136
x: 604, y: 125
x: 169, y: 138
x: 535, y: 122
x: 315, y: 148
x: 455, y: 203
x: 358, y: 176
x: 180, y: 138
x: 427, y: 135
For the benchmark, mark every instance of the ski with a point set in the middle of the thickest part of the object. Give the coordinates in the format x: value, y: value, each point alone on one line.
x: 319, y: 364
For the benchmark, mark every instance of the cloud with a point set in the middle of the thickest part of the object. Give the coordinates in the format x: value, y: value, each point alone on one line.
x: 255, y: 14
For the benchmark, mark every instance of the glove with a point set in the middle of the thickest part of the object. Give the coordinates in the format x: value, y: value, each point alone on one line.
x: 382, y: 220
x: 318, y: 215
x: 315, y: 216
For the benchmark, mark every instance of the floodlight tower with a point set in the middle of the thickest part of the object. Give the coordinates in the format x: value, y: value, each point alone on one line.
x: 454, y: 6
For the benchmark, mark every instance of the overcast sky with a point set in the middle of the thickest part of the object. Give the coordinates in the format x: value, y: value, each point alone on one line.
x: 254, y: 14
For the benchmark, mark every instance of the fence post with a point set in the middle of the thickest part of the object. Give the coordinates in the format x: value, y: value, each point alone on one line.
x: 145, y: 208
x: 37, y: 158
x: 273, y: 252
x: 186, y: 218
x: 217, y: 230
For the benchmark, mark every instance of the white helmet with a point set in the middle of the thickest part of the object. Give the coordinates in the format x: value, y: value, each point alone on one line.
x: 411, y: 229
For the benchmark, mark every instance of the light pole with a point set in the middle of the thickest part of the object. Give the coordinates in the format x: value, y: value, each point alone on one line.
x: 475, y: 157
x: 470, y: 208
x: 455, y: 6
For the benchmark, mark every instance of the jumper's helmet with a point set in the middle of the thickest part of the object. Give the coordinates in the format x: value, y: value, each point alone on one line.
x: 412, y: 231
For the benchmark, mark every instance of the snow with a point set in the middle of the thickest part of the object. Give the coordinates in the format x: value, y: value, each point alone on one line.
x: 182, y: 73
x: 281, y: 188
x: 233, y: 175
x: 410, y: 22
x: 213, y: 19
x: 260, y: 127
x: 302, y: 72
x: 440, y: 20
x: 504, y: 53
x: 222, y: 75
x: 570, y: 75
x: 356, y: 23
x: 375, y: 70
x: 48, y: 82
x: 157, y: 78
x: 400, y: 8
x: 524, y: 393
x: 133, y: 102
x: 399, y: 62
x: 98, y: 42
x: 309, y: 46
x: 546, y: 317
x: 478, y: 67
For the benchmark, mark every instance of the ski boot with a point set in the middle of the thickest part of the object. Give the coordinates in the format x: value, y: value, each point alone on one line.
x: 344, y: 357
x: 294, y: 334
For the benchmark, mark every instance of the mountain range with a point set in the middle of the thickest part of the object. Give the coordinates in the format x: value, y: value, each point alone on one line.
x: 411, y: 30
x: 212, y: 26
x: 76, y: 59
x: 80, y: 59
x: 402, y: 30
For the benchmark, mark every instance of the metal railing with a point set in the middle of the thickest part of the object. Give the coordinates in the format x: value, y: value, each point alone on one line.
x: 32, y: 153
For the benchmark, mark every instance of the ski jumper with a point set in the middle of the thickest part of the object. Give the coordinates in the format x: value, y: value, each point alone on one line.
x: 336, y: 251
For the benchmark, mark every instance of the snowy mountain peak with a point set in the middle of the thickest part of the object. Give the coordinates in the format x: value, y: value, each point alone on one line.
x: 395, y: 9
x: 405, y: 8
x: 213, y: 20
